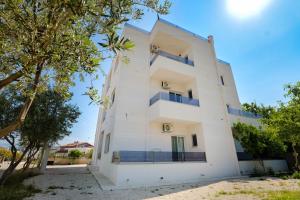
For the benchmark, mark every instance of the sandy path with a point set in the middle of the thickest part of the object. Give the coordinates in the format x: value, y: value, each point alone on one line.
x: 76, y: 183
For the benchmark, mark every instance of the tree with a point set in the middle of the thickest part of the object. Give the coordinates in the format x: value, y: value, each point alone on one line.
x: 264, y: 111
x: 75, y: 154
x: 51, y: 42
x: 258, y: 142
x: 5, y: 154
x: 90, y: 154
x: 286, y: 120
x: 49, y: 120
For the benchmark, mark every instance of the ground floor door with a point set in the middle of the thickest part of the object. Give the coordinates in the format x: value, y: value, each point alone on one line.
x: 177, y: 148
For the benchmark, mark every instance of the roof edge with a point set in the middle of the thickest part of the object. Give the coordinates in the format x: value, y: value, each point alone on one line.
x: 222, y: 61
x: 136, y: 28
x: 167, y: 23
x: 182, y: 29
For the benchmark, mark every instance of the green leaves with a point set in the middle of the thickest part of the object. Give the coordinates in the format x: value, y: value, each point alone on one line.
x: 115, y: 43
x: 60, y: 35
x: 52, y: 42
x: 258, y: 142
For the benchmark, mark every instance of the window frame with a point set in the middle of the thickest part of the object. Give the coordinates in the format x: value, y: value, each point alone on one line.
x: 107, y: 143
x: 194, y: 143
x: 222, y: 80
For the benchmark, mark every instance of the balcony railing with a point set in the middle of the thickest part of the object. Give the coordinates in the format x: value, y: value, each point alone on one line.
x: 184, y: 60
x: 178, y: 99
x: 242, y: 113
x: 157, y: 156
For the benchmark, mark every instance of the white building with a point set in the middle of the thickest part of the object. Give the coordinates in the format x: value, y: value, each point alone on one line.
x: 171, y: 111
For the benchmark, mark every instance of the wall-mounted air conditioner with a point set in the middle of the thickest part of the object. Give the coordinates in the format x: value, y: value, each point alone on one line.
x: 165, y: 85
x: 154, y: 48
x: 167, y: 128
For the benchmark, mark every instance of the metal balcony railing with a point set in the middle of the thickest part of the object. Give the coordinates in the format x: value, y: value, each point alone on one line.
x: 184, y: 60
x: 178, y: 99
x: 157, y: 156
x: 242, y: 113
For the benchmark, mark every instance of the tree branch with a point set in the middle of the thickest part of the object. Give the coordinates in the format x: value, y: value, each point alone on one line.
x: 11, y: 78
x: 22, y: 115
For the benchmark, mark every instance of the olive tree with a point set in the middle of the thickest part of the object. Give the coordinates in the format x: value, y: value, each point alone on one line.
x: 46, y: 42
x: 49, y: 120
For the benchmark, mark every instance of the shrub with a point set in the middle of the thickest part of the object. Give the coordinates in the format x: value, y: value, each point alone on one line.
x: 5, y: 154
x: 296, y: 175
x: 75, y: 154
x: 90, y: 154
x: 14, y: 189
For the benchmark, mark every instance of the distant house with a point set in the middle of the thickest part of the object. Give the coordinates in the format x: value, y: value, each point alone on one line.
x: 63, y: 150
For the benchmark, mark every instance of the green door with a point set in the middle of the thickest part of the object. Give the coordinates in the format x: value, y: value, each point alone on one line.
x: 177, y: 148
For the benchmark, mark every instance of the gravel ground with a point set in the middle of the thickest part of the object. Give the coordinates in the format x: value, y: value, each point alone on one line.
x: 76, y: 183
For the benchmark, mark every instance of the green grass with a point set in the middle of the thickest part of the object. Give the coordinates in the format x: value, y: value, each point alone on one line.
x: 14, y: 189
x: 283, y: 195
x: 266, y: 195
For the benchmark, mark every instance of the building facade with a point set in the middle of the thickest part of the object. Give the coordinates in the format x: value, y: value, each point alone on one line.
x: 170, y: 113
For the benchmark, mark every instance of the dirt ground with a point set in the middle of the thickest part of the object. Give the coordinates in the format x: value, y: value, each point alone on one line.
x: 76, y: 182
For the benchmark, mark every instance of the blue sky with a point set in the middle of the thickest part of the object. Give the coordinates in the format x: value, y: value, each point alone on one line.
x: 262, y: 47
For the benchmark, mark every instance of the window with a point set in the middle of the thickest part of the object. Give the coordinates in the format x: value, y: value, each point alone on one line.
x: 194, y: 139
x: 186, y: 59
x: 228, y: 107
x: 113, y: 97
x: 222, y: 80
x: 190, y: 94
x: 104, y: 115
x: 107, y: 141
x: 100, y: 144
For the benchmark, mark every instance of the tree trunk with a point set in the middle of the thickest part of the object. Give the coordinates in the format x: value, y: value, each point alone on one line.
x: 295, y: 154
x: 30, y: 158
x: 12, y: 167
x: 23, y: 113
x: 45, y: 158
x: 262, y: 164
x: 41, y: 157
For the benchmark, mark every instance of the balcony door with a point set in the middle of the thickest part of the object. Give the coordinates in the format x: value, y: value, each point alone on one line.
x: 177, y: 148
x: 175, y: 97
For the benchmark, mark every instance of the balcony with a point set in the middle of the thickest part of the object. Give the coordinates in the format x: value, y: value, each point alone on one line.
x: 242, y: 113
x: 169, y: 107
x: 173, y: 57
x: 157, y: 156
x: 168, y: 67
x: 168, y: 97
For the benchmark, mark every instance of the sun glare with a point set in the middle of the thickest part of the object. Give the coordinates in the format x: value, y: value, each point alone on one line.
x: 246, y: 8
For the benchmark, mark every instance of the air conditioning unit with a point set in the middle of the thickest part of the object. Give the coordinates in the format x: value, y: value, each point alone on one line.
x: 154, y: 48
x: 167, y: 128
x: 165, y: 85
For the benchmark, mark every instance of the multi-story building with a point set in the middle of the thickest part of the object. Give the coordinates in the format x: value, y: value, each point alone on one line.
x: 171, y: 110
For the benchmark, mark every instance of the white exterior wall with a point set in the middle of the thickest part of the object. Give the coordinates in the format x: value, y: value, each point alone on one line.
x: 136, y: 126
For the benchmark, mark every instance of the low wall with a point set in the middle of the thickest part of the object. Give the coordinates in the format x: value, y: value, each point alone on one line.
x: 248, y: 167
x: 153, y: 174
x: 69, y: 161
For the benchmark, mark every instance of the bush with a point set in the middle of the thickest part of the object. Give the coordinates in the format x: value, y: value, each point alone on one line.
x: 75, y: 154
x: 14, y: 189
x: 296, y: 175
x: 90, y: 154
x: 5, y: 154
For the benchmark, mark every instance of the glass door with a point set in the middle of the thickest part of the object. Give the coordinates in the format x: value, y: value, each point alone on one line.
x: 177, y: 148
x: 175, y: 97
